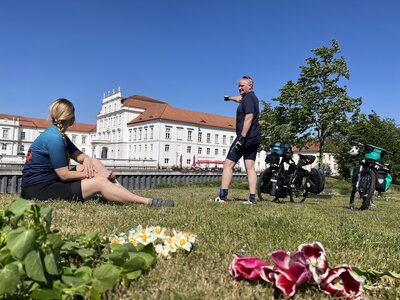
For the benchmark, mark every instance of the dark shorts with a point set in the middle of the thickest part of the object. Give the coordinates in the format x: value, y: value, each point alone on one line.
x: 53, y: 190
x: 249, y: 152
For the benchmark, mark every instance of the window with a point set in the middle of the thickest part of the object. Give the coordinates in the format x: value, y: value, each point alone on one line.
x: 4, y: 147
x: 5, y: 133
x: 179, y: 133
x: 216, y: 151
x: 151, y: 132
x: 23, y: 134
x: 83, y: 150
x: 151, y: 147
x: 22, y: 148
x: 166, y: 149
x: 74, y: 138
x: 166, y: 160
x: 134, y: 134
x: 167, y: 133
x: 199, y: 150
x: 208, y: 151
x: 130, y: 135
x: 83, y: 140
x: 188, y: 161
x: 216, y: 138
x: 145, y: 147
x: 145, y: 133
x: 224, y: 139
x: 140, y: 134
x: 208, y: 137
x: 231, y: 139
x: 189, y: 135
x: 199, y: 137
x: 224, y: 152
x: 189, y: 149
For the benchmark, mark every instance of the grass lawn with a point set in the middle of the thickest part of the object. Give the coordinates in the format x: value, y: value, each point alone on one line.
x: 364, y: 239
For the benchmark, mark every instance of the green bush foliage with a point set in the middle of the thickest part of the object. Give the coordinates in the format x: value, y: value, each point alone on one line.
x: 37, y: 262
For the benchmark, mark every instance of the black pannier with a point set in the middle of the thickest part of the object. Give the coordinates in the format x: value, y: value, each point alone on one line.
x: 315, y: 181
x: 383, y: 180
x: 272, y: 158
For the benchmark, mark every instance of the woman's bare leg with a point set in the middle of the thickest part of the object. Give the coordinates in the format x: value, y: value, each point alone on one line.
x: 109, y: 191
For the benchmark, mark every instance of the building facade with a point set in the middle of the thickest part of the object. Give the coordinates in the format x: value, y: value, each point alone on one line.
x: 139, y: 132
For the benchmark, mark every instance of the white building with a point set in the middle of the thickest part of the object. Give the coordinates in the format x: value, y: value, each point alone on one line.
x: 136, y: 131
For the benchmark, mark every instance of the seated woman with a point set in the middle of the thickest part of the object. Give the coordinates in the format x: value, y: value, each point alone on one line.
x: 46, y: 174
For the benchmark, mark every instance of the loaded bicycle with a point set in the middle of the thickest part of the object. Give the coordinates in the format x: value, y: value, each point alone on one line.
x: 371, y: 174
x: 283, y: 177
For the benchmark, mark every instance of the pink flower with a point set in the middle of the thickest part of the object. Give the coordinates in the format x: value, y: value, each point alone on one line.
x: 292, y: 271
x: 267, y: 274
x: 246, y: 267
x: 342, y: 282
x: 316, y: 258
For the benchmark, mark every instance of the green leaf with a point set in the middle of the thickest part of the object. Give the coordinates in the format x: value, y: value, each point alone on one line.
x: 135, y: 263
x: 373, y: 276
x: 34, y: 266
x: 92, y: 236
x: 95, y: 295
x: 18, y: 208
x: 9, y: 279
x: 133, y: 275
x: 45, y: 294
x: 85, y: 252
x: 148, y: 258
x: 105, y: 277
x: 74, y: 281
x: 45, y: 213
x: 20, y: 241
x: 84, y: 272
x: 55, y: 241
x: 51, y: 264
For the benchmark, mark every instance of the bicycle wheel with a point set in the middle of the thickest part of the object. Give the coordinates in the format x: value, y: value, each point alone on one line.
x: 263, y: 185
x: 366, y: 187
x: 298, y: 190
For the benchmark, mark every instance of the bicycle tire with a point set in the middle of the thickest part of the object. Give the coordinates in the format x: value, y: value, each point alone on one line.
x: 263, y: 185
x: 366, y: 188
x: 299, y: 192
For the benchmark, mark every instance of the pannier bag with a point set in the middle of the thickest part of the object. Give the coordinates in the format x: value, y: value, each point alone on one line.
x: 306, y: 160
x: 383, y: 180
x: 315, y: 181
x: 282, y: 149
x: 373, y: 152
x: 272, y: 158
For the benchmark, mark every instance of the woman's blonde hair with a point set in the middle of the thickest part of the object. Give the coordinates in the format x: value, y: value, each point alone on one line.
x: 62, y: 113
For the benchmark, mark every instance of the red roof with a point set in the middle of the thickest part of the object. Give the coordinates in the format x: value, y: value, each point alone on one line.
x: 158, y: 110
x: 43, y: 123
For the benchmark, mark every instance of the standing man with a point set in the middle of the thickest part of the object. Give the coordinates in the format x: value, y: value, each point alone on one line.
x: 248, y: 139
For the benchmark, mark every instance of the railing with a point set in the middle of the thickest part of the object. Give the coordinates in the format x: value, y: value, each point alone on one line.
x: 10, y: 181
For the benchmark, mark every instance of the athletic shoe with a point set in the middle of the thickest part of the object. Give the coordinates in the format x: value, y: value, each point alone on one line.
x: 248, y: 202
x: 160, y: 202
x: 219, y: 200
x: 373, y: 206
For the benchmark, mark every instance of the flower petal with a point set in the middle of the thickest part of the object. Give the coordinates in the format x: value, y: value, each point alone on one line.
x: 285, y: 284
x: 281, y: 259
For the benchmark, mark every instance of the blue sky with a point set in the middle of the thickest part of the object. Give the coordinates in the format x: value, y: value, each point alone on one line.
x: 189, y: 53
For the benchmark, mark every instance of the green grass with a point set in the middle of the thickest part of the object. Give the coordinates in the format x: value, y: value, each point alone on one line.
x: 365, y: 239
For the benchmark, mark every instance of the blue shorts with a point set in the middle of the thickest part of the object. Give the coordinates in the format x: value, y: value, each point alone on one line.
x: 248, y: 152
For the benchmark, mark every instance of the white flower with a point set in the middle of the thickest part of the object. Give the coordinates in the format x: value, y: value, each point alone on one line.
x: 162, y: 251
x: 181, y: 241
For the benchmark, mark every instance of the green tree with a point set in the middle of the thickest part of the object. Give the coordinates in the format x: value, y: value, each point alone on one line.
x: 314, y: 108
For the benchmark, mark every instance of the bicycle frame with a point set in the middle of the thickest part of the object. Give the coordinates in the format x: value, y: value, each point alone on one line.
x: 280, y: 182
